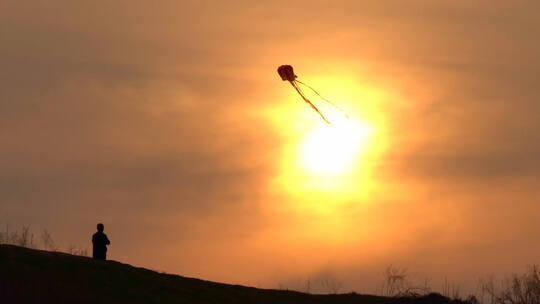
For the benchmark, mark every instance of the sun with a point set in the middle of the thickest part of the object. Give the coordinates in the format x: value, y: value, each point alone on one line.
x: 320, y: 165
x: 334, y: 148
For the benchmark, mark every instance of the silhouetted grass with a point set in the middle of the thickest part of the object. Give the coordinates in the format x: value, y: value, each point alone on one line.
x: 25, y: 238
x: 518, y: 289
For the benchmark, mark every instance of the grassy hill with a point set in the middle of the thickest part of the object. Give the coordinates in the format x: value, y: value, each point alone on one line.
x: 36, y: 276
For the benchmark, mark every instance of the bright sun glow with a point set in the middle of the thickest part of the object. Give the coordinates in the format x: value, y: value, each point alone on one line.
x: 323, y: 166
x: 324, y: 173
x: 333, y: 148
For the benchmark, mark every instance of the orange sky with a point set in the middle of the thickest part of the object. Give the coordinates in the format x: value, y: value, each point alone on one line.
x: 168, y: 123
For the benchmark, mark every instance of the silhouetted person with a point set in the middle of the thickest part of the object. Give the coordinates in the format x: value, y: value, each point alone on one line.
x: 100, y: 242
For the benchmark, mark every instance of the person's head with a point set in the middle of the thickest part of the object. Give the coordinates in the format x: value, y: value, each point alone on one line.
x: 100, y: 227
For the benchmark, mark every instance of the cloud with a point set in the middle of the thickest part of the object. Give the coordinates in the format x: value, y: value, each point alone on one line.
x: 144, y: 117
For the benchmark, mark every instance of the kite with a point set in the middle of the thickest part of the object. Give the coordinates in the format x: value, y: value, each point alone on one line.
x: 287, y: 74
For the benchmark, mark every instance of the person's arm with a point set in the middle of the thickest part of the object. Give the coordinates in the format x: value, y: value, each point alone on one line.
x: 107, y: 242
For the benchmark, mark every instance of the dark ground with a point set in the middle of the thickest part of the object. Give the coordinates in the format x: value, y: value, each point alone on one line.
x: 36, y: 276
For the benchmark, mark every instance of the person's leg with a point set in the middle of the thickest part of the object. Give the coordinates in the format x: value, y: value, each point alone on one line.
x: 99, y: 255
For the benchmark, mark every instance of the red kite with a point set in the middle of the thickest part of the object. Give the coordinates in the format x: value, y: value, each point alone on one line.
x: 287, y: 74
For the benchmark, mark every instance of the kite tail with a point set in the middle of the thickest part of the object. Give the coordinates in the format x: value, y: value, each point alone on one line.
x: 328, y: 101
x: 309, y: 102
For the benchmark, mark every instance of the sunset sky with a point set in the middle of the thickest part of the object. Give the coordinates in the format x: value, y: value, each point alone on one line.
x: 167, y: 121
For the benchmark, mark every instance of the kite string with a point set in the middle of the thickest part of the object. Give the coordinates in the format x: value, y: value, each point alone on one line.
x: 328, y: 101
x: 309, y: 102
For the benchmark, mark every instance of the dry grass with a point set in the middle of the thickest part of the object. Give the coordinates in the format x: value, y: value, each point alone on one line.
x: 25, y: 238
x: 518, y: 289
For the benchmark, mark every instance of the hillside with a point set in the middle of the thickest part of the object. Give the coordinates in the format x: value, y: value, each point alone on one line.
x: 35, y: 276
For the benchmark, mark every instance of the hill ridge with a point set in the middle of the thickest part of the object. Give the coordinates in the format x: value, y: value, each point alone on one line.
x: 37, y: 276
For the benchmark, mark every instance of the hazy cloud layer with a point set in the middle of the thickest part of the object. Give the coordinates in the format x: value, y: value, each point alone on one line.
x: 143, y: 116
